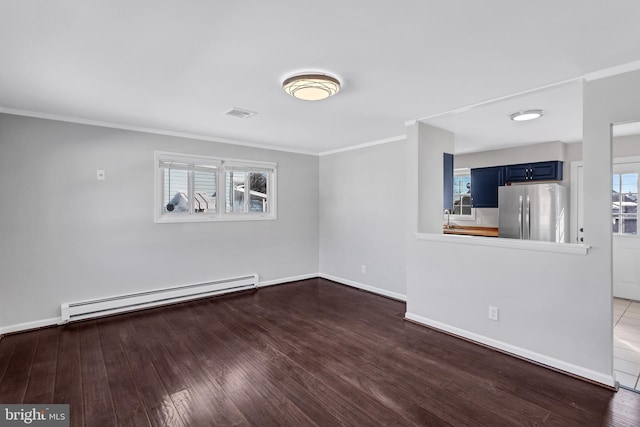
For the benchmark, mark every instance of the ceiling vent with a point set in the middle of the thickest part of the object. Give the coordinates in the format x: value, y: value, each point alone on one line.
x: 239, y: 112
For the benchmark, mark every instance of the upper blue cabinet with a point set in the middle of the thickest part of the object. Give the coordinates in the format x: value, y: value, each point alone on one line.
x: 540, y: 171
x: 485, y: 181
x: 484, y: 186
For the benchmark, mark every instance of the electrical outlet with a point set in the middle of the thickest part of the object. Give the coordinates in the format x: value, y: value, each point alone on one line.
x: 478, y: 221
x: 493, y: 313
x: 364, y: 269
x: 100, y: 175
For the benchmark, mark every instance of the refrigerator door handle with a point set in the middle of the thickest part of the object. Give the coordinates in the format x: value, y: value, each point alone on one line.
x: 527, y: 219
x: 520, y: 215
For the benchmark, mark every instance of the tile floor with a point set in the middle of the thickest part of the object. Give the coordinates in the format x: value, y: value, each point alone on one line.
x: 626, y: 342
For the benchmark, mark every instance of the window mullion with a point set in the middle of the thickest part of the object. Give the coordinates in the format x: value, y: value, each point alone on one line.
x: 247, y: 190
x: 191, y: 191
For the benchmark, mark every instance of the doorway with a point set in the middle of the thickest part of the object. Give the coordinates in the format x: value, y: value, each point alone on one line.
x: 624, y: 222
x: 625, y: 247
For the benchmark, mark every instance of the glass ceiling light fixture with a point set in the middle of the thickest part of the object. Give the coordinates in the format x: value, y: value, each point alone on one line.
x: 311, y: 87
x: 523, y: 116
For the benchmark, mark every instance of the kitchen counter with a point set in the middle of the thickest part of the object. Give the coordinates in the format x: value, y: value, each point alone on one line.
x: 471, y: 230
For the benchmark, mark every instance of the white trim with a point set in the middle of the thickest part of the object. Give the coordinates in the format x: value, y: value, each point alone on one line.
x: 599, y: 377
x: 613, y: 71
x: 625, y: 160
x: 608, y: 72
x: 284, y: 280
x: 121, y: 126
x: 364, y: 145
x: 492, y: 100
x: 22, y: 327
x: 373, y: 289
x: 35, y: 324
x: 528, y: 245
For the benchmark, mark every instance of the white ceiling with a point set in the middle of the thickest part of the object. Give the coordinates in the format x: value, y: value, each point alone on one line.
x: 176, y: 66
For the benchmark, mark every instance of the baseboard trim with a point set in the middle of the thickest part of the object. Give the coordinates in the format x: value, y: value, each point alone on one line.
x: 284, y: 280
x: 372, y: 289
x: 27, y: 326
x: 53, y: 321
x: 602, y: 379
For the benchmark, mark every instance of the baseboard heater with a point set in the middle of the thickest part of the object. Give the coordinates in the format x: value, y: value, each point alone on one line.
x: 121, y: 303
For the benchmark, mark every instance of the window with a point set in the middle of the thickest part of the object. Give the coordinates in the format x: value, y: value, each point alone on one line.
x: 200, y: 188
x: 624, y: 203
x: 462, y: 193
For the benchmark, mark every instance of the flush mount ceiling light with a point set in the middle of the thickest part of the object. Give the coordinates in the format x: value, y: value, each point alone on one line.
x: 311, y: 87
x: 522, y: 116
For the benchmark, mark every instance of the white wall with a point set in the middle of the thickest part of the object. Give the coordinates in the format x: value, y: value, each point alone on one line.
x: 555, y: 307
x: 362, y: 208
x: 68, y: 237
x: 626, y: 146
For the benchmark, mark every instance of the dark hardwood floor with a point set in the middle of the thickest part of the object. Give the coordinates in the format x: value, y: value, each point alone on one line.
x: 301, y: 354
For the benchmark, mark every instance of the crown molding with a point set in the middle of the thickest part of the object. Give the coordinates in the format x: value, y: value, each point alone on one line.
x: 613, y: 71
x: 364, y: 145
x: 165, y: 132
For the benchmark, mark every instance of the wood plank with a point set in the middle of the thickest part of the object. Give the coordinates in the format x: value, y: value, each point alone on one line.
x: 98, y: 403
x: 7, y: 345
x: 68, y: 383
x: 16, y: 378
x: 230, y: 372
x: 127, y: 402
x: 43, y: 373
x: 158, y: 404
x: 189, y: 389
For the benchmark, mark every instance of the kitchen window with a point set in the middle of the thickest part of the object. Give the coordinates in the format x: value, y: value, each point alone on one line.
x: 194, y: 188
x: 624, y: 203
x: 462, y: 194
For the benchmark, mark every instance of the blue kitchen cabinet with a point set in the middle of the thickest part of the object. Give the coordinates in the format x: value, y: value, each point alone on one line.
x: 484, y: 186
x: 539, y: 171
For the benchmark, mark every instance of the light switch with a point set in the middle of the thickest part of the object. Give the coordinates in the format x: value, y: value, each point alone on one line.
x: 100, y: 175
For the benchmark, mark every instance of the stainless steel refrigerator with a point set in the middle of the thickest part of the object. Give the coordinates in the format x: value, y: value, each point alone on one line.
x: 534, y: 212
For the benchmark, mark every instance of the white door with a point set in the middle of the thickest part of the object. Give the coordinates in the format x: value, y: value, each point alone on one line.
x: 626, y: 239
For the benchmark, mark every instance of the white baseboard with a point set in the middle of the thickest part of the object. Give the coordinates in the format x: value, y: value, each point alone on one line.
x: 20, y: 327
x: 364, y: 287
x: 598, y: 377
x: 284, y: 280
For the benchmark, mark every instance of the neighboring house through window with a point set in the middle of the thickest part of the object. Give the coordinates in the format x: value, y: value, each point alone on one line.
x: 624, y: 203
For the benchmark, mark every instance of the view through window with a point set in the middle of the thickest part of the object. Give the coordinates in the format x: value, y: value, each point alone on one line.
x: 624, y: 203
x: 462, y: 192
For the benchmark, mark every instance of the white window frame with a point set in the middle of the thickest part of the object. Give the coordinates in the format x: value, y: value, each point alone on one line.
x: 629, y: 165
x: 221, y: 165
x: 472, y: 215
